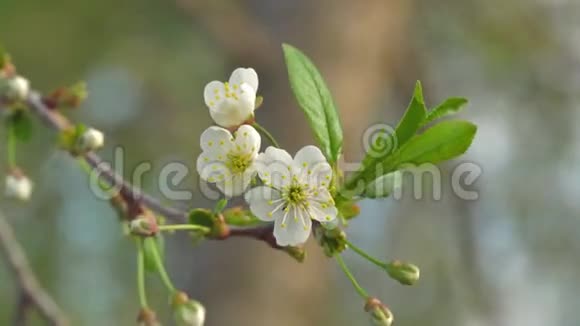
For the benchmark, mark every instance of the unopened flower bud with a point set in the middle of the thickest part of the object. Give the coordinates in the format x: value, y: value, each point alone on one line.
x: 147, y: 317
x: 15, y: 88
x: 187, y: 312
x: 405, y: 273
x: 90, y: 140
x: 18, y: 186
x: 144, y: 225
x: 380, y: 313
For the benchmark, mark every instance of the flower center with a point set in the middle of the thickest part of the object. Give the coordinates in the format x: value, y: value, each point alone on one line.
x: 296, y: 194
x: 238, y: 163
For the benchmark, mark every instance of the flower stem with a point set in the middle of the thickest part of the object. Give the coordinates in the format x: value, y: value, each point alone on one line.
x: 161, y: 268
x: 266, y: 133
x: 366, y: 256
x: 188, y: 227
x: 349, y: 275
x: 141, y: 274
x: 11, y: 145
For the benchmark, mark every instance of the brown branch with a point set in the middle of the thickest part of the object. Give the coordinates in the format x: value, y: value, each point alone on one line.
x: 262, y: 233
x: 32, y: 294
x: 59, y: 122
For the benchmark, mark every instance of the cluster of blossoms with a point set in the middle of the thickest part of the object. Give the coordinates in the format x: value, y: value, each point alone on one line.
x: 294, y: 195
x: 293, y: 191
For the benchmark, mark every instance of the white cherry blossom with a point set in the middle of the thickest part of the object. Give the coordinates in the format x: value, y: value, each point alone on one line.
x: 295, y: 192
x: 232, y: 103
x: 229, y: 160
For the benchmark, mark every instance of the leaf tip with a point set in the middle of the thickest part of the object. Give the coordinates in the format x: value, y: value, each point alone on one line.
x: 286, y: 48
x: 418, y: 93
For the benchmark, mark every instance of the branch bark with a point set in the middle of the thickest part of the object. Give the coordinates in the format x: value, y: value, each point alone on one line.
x: 262, y: 233
x: 31, y: 293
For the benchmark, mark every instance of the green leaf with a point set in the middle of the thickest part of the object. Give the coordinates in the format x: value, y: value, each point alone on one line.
x: 414, y: 116
x: 441, y: 142
x: 22, y: 124
x: 150, y: 244
x: 315, y: 99
x: 450, y: 106
x: 384, y: 185
x: 387, y: 142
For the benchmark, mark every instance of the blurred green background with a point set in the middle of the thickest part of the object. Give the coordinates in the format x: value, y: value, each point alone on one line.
x: 509, y: 258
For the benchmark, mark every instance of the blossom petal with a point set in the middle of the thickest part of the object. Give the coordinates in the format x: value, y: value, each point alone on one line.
x: 322, y: 212
x: 246, y: 99
x: 230, y: 113
x: 234, y: 186
x: 247, y: 140
x: 274, y: 167
x: 265, y: 203
x: 244, y: 75
x: 293, y: 230
x: 321, y: 206
x: 212, y: 170
x: 317, y: 175
x: 215, y: 139
x: 322, y: 195
x: 273, y: 154
x: 309, y: 156
x: 277, y: 175
x: 313, y: 168
x: 213, y: 93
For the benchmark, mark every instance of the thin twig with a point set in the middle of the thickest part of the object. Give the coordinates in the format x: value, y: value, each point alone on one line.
x: 32, y: 294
